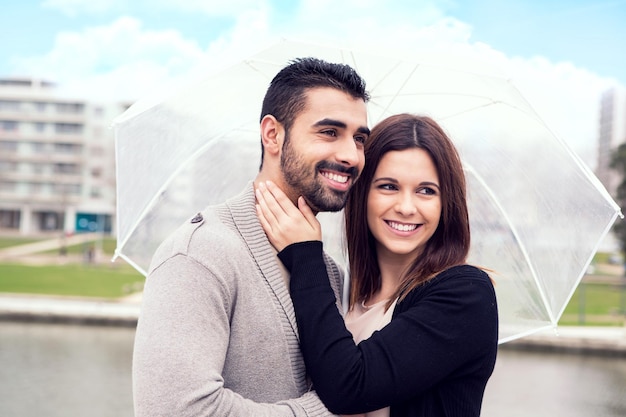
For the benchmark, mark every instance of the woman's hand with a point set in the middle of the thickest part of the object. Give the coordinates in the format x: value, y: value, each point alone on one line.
x: 283, y: 222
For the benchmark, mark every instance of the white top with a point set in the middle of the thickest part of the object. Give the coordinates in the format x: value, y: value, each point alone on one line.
x: 364, y: 320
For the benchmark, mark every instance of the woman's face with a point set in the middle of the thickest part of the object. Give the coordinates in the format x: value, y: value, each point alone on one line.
x: 404, y: 203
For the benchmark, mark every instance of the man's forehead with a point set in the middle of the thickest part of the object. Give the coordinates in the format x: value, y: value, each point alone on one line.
x: 332, y: 103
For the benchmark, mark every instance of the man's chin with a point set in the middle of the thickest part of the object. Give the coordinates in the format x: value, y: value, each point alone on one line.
x: 329, y: 204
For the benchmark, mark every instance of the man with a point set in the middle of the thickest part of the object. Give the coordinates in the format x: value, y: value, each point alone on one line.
x: 217, y: 334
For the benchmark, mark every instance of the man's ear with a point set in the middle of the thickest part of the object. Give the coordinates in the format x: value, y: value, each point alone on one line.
x: 272, y: 135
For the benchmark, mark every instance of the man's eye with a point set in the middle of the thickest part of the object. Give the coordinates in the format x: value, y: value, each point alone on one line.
x: 329, y: 132
x: 360, y: 139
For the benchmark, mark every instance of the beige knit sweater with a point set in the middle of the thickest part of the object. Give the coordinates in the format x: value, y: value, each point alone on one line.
x: 217, y: 334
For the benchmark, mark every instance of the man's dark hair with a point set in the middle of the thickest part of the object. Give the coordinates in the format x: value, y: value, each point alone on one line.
x: 286, y: 96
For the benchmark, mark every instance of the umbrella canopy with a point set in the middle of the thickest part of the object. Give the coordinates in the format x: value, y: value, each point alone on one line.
x: 537, y: 213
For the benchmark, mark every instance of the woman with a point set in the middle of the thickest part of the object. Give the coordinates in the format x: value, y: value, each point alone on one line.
x: 408, y: 238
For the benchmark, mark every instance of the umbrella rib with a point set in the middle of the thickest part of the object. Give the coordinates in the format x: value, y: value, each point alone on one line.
x: 397, y: 93
x: 523, y: 249
x: 130, y: 262
x: 157, y: 195
x: 609, y: 225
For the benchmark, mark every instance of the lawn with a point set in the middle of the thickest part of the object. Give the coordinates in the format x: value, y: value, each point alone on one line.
x: 596, y: 305
x: 7, y: 242
x: 592, y: 303
x: 103, y: 281
x: 106, y: 280
x: 107, y: 245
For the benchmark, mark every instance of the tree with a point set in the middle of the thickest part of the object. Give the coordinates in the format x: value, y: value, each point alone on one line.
x: 618, y: 163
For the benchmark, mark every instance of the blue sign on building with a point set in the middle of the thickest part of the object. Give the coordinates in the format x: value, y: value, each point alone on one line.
x: 92, y: 222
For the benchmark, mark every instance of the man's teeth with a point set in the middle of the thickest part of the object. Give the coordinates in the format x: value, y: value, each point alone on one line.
x: 336, y: 177
x: 403, y: 227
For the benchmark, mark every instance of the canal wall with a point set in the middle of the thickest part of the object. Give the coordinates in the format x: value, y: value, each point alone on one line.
x: 608, y: 341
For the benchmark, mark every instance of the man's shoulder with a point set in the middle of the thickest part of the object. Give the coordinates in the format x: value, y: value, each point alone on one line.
x: 201, y: 235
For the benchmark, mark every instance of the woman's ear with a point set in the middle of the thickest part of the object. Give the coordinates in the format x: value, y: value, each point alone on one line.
x: 272, y: 135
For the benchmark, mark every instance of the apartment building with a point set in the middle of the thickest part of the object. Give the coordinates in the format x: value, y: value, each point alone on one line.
x: 57, y: 161
x: 611, y: 134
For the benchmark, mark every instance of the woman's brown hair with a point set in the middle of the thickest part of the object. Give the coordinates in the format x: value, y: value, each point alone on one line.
x: 450, y: 243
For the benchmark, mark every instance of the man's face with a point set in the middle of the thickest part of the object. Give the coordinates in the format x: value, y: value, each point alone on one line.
x: 322, y: 154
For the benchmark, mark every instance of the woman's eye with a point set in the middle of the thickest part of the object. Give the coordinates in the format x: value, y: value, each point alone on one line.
x: 388, y: 187
x: 427, y: 191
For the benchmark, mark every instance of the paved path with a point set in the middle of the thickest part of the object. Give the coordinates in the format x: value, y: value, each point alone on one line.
x: 46, y: 245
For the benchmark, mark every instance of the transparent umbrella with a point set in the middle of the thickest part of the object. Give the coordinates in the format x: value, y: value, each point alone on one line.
x: 537, y: 212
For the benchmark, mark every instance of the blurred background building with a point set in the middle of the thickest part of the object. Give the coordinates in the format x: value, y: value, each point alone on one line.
x: 57, y: 161
x: 611, y: 134
x: 57, y: 157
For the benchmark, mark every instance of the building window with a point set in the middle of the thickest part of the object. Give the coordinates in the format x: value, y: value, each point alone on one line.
x: 7, y: 186
x: 67, y: 148
x: 97, y: 132
x: 8, y: 125
x: 96, y: 151
x: 68, y: 128
x: 40, y: 127
x: 40, y: 106
x: 10, y: 105
x: 49, y: 220
x: 38, y: 168
x: 66, y: 189
x: 70, y: 108
x: 8, y: 146
x: 63, y: 168
x: 95, y: 192
x: 39, y: 147
x: 8, y: 166
x: 15, y: 83
x: 10, y: 219
x: 34, y: 187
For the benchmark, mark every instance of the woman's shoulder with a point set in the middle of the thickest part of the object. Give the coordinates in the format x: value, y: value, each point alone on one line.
x: 464, y: 270
x: 458, y: 277
x: 465, y: 285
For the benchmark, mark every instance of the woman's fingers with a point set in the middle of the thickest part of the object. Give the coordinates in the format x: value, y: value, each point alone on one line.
x: 266, y: 214
x: 308, y: 214
x: 283, y: 222
x: 303, y: 211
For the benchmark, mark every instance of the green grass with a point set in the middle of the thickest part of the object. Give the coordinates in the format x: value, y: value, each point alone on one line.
x: 602, y: 305
x: 107, y: 245
x: 70, y: 280
x: 7, y: 242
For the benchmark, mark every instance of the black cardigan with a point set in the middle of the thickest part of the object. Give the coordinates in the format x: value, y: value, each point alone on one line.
x: 433, y: 359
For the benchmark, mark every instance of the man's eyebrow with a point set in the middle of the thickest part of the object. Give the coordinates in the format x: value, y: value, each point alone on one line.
x: 330, y: 122
x: 340, y: 124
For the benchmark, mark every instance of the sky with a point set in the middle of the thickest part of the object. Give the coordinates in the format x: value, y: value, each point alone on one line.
x: 561, y: 54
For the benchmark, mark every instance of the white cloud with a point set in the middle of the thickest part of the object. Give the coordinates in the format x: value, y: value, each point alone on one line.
x: 124, y: 60
x: 565, y: 96
x: 122, y: 50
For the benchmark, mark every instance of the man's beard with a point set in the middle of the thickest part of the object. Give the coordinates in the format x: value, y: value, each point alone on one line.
x: 304, y: 180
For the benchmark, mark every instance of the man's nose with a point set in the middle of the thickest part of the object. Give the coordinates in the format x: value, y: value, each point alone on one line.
x: 348, y: 153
